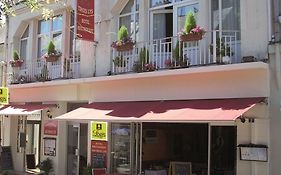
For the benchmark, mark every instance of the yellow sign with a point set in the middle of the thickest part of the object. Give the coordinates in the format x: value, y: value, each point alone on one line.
x: 99, y: 131
x: 4, y: 96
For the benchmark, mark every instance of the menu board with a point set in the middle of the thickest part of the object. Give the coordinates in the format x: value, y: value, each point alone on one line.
x: 99, y: 153
x: 6, y: 161
x: 253, y: 153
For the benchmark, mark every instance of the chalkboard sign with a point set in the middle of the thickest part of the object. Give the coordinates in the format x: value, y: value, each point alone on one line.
x: 180, y: 168
x: 99, y: 160
x: 6, y: 161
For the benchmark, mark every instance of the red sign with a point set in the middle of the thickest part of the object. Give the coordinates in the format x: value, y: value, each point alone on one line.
x: 85, y: 19
x: 99, y: 155
x: 51, y: 127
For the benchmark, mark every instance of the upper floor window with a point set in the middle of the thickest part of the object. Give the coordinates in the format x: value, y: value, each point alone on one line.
x: 49, y: 30
x: 74, y: 45
x: 23, y: 44
x: 225, y: 14
x: 129, y: 17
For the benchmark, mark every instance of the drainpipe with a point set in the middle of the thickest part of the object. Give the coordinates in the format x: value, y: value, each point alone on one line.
x: 270, y: 19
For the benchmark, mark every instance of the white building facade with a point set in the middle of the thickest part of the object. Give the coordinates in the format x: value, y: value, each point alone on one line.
x: 86, y: 73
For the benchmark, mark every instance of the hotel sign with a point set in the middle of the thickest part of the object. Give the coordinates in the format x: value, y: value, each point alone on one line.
x: 99, y: 131
x: 4, y: 96
x: 85, y: 19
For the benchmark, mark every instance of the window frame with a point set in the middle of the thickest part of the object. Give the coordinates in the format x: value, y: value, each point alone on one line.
x: 50, y: 33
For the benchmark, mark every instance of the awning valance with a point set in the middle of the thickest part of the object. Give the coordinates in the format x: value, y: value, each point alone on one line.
x: 163, y: 111
x: 25, y: 109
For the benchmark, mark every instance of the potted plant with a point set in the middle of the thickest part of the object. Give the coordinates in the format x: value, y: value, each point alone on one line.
x: 223, y: 52
x: 119, y: 63
x: 124, y: 42
x: 87, y: 170
x: 191, y: 32
x: 16, y: 62
x: 46, y: 166
x: 178, y: 60
x: 52, y: 54
x: 143, y: 64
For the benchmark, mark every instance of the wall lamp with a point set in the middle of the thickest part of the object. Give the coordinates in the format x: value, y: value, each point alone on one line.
x: 49, y: 115
x: 243, y: 119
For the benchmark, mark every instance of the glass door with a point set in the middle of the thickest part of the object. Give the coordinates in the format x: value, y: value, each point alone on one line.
x: 125, y: 148
x: 72, y: 149
x: 223, y: 150
x: 161, y: 24
x: 33, y: 139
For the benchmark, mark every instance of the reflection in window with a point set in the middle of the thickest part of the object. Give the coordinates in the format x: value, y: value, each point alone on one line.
x: 230, y: 15
x: 129, y: 17
x: 154, y: 3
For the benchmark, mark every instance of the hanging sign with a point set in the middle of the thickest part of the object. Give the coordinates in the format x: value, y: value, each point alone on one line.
x: 99, y: 131
x: 4, y: 96
x: 85, y: 19
x: 51, y: 127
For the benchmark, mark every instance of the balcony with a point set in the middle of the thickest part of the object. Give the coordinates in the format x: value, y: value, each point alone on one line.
x: 216, y: 48
x: 38, y: 70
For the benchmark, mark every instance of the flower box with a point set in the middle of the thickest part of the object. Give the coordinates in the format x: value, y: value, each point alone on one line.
x: 16, y: 63
x: 191, y: 37
x: 125, y: 47
x: 52, y: 57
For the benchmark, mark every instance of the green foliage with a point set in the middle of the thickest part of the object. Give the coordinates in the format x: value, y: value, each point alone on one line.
x: 144, y: 56
x: 221, y: 49
x: 123, y: 33
x: 51, y: 49
x: 46, y: 165
x: 87, y: 170
x: 44, y: 75
x: 190, y: 22
x: 119, y: 61
x: 15, y: 55
x: 177, y: 52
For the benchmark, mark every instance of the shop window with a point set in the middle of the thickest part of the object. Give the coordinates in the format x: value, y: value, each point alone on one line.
x: 129, y: 17
x: 49, y: 30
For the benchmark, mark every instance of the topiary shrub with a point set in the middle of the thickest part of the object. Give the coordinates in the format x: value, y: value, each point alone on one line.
x: 190, y: 22
x: 123, y: 33
x: 51, y: 49
x: 16, y: 55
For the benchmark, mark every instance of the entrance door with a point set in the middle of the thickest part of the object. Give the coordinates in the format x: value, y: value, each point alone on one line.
x: 33, y: 133
x: 125, y: 148
x: 77, y: 148
x: 223, y: 150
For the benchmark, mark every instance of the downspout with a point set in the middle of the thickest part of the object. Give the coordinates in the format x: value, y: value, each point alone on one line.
x: 270, y: 19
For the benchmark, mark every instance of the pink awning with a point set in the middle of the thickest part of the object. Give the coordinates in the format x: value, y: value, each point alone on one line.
x: 25, y: 109
x: 163, y: 111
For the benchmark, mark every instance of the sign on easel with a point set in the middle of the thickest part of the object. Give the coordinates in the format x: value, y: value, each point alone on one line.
x: 180, y: 168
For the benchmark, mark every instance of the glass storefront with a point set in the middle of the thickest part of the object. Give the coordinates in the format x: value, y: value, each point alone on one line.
x: 153, y: 147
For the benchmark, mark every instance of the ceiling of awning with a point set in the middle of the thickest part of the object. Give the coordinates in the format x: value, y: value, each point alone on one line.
x: 163, y: 111
x: 25, y: 109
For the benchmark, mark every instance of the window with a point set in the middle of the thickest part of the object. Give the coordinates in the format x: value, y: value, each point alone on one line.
x: 23, y: 44
x: 129, y: 17
x: 49, y: 30
x: 225, y: 16
x: 73, y: 42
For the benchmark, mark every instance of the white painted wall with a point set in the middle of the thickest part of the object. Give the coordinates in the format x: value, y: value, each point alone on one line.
x: 254, y: 28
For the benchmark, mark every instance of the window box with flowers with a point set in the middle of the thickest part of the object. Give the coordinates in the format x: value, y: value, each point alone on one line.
x: 124, y: 42
x: 52, y: 54
x: 191, y: 31
x: 16, y: 62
